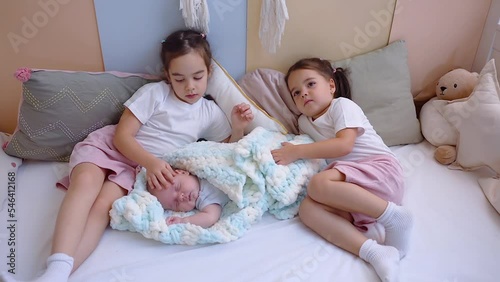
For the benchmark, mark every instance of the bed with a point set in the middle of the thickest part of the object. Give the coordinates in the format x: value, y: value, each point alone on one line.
x: 456, y: 236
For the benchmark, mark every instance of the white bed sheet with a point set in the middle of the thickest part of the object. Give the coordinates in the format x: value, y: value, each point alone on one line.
x: 456, y: 237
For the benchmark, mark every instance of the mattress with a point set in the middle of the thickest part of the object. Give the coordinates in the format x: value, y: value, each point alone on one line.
x: 456, y: 236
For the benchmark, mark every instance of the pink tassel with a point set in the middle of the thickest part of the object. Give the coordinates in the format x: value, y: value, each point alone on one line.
x: 23, y: 74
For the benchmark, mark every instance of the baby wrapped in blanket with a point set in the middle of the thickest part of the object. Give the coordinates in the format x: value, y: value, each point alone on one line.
x: 188, y: 192
x: 244, y: 171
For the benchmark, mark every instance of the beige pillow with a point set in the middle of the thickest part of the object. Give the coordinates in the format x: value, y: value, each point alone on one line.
x: 477, y: 119
x: 268, y: 89
x: 227, y: 93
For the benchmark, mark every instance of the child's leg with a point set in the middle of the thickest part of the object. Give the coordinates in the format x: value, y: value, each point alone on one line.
x: 333, y: 225
x: 98, y: 221
x: 329, y: 188
x: 398, y: 223
x: 86, y: 183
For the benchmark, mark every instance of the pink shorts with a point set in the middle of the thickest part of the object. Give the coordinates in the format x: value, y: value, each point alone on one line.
x: 382, y: 175
x: 98, y: 149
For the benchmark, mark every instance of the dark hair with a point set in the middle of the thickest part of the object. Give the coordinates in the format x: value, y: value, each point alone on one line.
x: 325, y: 69
x: 181, y: 43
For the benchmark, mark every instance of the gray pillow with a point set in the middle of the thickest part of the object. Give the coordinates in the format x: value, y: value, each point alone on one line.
x: 380, y: 85
x: 60, y: 108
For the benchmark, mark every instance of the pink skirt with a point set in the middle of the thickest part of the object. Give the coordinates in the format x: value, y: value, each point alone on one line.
x: 98, y: 149
x: 382, y: 175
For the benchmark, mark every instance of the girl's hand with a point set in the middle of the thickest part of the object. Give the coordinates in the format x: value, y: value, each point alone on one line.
x: 175, y: 220
x: 159, y: 173
x: 241, y: 116
x: 285, y: 155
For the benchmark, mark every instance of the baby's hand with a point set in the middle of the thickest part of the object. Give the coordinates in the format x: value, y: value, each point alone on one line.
x: 285, y: 154
x: 241, y: 116
x: 175, y: 220
x: 158, y: 173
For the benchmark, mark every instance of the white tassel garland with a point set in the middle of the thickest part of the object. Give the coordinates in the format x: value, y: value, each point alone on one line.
x: 195, y: 14
x: 273, y: 15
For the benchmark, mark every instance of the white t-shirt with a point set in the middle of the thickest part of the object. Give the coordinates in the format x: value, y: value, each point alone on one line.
x: 344, y: 113
x: 209, y: 194
x: 168, y: 123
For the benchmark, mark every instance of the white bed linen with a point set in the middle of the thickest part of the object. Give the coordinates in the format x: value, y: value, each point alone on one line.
x: 456, y: 237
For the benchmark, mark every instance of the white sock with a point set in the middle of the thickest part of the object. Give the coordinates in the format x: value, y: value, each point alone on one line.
x: 59, y: 268
x: 398, y: 223
x: 384, y: 259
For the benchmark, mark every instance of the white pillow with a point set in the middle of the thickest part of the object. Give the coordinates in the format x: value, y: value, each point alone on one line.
x: 227, y: 94
x: 477, y: 120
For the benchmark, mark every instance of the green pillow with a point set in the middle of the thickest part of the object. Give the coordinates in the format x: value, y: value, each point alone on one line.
x: 380, y: 85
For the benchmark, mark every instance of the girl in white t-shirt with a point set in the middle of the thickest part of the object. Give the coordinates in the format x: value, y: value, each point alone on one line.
x: 159, y: 117
x: 363, y: 182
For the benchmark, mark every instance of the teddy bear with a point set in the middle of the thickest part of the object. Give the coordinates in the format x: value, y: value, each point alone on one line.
x: 456, y: 84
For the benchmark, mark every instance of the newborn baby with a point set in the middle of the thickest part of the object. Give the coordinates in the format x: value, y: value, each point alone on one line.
x: 188, y: 192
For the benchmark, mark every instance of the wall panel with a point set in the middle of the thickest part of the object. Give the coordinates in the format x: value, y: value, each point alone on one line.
x: 331, y: 29
x: 52, y: 34
x: 131, y: 37
x: 440, y: 35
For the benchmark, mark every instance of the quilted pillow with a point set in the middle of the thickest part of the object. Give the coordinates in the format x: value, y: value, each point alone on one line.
x: 60, y: 108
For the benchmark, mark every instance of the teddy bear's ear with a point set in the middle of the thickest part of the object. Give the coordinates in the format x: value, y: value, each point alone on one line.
x: 427, y: 93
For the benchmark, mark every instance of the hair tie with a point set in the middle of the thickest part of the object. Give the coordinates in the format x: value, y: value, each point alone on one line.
x: 163, y: 41
x: 202, y: 35
x: 334, y: 70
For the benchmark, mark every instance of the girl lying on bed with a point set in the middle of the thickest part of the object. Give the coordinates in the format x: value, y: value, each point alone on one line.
x: 363, y: 182
x: 159, y: 116
x: 188, y: 192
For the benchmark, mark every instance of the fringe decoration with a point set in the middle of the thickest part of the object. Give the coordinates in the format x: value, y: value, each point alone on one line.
x: 273, y: 14
x: 195, y: 14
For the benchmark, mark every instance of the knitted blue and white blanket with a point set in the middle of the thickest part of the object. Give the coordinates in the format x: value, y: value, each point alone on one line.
x: 245, y: 171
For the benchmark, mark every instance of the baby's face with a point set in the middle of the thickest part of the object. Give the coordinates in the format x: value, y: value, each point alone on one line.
x: 181, y: 195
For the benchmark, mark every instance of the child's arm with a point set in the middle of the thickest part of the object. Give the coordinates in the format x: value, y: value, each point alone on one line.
x: 241, y: 116
x: 158, y: 171
x: 204, y: 218
x: 339, y: 146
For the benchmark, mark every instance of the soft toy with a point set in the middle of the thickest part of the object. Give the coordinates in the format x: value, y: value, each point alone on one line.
x: 456, y: 84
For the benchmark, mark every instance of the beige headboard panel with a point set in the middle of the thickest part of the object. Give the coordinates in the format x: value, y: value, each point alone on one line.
x: 331, y: 29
